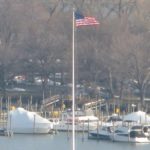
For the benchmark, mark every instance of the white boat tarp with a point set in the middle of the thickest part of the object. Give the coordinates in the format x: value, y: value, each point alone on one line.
x: 25, y: 120
x: 139, y: 117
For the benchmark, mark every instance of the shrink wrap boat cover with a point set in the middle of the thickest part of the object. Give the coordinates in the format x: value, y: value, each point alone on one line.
x: 139, y: 116
x: 23, y: 121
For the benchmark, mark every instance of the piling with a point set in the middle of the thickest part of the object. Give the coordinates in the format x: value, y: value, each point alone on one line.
x: 97, y: 128
x: 34, y: 125
x: 67, y: 129
x: 83, y: 131
x: 88, y: 129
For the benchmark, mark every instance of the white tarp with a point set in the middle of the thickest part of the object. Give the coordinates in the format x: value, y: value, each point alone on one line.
x: 139, y: 116
x: 21, y: 120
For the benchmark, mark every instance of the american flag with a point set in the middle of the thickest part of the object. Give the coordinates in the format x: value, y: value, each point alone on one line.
x: 81, y: 20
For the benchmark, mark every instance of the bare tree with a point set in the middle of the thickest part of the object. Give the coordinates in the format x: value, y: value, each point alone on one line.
x: 8, y: 36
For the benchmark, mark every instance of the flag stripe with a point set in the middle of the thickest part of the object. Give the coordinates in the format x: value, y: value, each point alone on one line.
x: 85, y: 21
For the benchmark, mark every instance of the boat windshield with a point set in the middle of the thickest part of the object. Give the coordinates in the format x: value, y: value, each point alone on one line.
x: 136, y: 127
x: 114, y: 119
x: 134, y: 134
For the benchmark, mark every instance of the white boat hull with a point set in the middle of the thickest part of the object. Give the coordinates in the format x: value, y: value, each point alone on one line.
x: 102, y: 135
x: 119, y: 138
x: 78, y: 127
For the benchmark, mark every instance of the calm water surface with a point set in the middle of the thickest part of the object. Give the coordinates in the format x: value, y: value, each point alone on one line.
x: 61, y: 141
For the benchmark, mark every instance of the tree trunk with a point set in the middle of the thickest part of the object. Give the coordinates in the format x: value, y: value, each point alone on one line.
x: 142, y: 102
x: 121, y: 92
x: 110, y: 84
x: 2, y: 80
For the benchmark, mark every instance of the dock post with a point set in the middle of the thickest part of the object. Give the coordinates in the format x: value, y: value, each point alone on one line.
x: 113, y: 132
x: 88, y: 128
x: 67, y: 129
x: 34, y: 125
x: 101, y: 119
x: 83, y: 132
x: 97, y: 128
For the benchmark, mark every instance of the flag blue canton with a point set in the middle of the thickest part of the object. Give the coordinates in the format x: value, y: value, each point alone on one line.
x: 78, y: 16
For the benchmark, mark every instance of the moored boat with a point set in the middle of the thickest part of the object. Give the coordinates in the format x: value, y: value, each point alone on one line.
x: 102, y: 133
x: 23, y: 122
x: 134, y: 134
x: 83, y: 122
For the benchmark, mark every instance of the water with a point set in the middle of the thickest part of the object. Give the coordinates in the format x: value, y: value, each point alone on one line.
x: 61, y: 141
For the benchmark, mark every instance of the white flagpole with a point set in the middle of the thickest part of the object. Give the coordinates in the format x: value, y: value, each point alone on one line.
x: 73, y: 83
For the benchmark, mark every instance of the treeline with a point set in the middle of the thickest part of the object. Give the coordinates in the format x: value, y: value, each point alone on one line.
x: 36, y: 38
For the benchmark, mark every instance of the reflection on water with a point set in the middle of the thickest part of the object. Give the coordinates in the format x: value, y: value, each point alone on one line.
x: 62, y: 142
